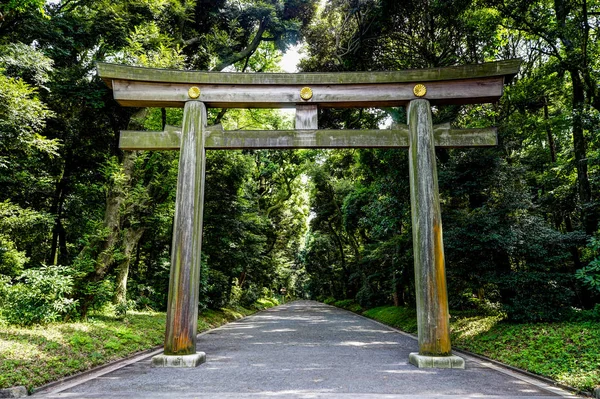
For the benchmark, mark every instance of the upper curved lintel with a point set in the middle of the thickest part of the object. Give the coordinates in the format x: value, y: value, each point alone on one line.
x: 506, y: 68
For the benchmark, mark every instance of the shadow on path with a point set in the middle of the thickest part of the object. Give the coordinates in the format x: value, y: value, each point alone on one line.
x: 306, y: 349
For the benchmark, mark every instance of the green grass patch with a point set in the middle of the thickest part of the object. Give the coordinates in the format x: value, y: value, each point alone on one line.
x: 329, y: 301
x: 36, y: 355
x: 348, y: 304
x: 404, y: 319
x: 566, y: 351
x: 33, y: 356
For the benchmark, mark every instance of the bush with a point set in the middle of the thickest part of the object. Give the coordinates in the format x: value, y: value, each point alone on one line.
x: 11, y: 259
x: 40, y: 296
x: 538, y: 296
x: 348, y: 304
x: 578, y: 315
x: 399, y: 317
x: 218, y: 289
x: 590, y: 274
x: 329, y: 301
x: 250, y: 295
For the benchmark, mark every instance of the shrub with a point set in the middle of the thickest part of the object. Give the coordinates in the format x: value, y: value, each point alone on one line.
x: 590, y: 274
x: 578, y: 315
x: 11, y: 259
x: 329, y: 301
x: 40, y: 296
x: 538, y: 296
x: 399, y: 317
x: 349, y: 304
x: 250, y: 295
x: 218, y: 289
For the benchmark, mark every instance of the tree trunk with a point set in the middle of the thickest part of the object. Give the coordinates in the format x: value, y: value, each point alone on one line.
x: 131, y: 238
x: 56, y: 209
x: 551, y: 143
x: 588, y: 216
x: 112, y: 217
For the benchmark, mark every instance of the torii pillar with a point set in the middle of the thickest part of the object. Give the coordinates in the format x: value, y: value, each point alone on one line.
x: 433, y: 318
x: 307, y: 92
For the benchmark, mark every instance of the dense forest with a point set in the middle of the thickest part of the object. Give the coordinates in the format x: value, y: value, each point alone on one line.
x: 84, y: 225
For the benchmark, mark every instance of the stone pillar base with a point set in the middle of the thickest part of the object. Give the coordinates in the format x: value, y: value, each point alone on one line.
x: 436, y: 362
x: 179, y: 360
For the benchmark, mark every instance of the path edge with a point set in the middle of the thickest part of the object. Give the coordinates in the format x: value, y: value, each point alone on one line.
x: 117, y: 364
x: 552, y: 383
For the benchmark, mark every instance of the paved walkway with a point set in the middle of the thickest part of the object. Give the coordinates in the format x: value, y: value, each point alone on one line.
x: 306, y: 350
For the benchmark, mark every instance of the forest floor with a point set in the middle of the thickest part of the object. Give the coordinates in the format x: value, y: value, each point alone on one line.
x: 36, y: 355
x: 566, y: 352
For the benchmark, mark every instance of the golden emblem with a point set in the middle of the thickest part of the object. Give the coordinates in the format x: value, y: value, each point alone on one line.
x: 306, y: 93
x: 420, y: 90
x: 194, y: 92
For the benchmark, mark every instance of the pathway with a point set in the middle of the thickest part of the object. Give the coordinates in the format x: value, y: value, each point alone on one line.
x: 306, y: 349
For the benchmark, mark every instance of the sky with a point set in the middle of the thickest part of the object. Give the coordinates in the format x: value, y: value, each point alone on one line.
x: 290, y: 59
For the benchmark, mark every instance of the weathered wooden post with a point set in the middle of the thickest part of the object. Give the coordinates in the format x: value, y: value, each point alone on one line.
x: 428, y: 247
x: 184, y: 282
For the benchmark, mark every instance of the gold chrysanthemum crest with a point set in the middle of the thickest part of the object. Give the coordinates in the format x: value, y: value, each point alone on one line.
x: 420, y: 90
x: 306, y: 93
x: 194, y: 92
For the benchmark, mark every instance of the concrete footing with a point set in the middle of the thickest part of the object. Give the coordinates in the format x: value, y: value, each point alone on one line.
x: 179, y: 361
x: 14, y: 392
x: 436, y: 362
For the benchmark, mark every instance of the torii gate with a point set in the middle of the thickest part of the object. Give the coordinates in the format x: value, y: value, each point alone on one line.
x: 307, y: 92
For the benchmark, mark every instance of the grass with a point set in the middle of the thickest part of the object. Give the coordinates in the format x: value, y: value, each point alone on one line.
x: 567, y: 352
x: 36, y: 355
x: 404, y: 319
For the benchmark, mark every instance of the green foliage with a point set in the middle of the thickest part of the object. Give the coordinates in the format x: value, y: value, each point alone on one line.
x: 348, y: 304
x: 37, y: 355
x: 23, y: 5
x: 400, y: 317
x: 250, y: 295
x: 218, y: 290
x: 538, y: 296
x: 590, y: 274
x: 39, y: 296
x: 22, y: 118
x: 18, y: 60
x: 562, y: 351
x: 586, y: 315
x: 21, y: 231
x: 11, y: 259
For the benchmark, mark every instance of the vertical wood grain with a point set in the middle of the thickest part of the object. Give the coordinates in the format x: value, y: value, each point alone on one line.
x: 307, y: 116
x: 182, y: 307
x: 428, y: 246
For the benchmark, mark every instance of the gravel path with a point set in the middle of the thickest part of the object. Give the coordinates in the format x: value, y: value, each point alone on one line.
x: 306, y: 349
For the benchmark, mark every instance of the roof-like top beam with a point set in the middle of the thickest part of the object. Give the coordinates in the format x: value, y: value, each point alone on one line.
x: 142, y: 87
x: 507, y: 69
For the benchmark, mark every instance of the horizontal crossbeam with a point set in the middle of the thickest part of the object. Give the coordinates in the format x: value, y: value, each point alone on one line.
x: 216, y: 138
x: 466, y: 84
x: 504, y: 68
x: 143, y: 94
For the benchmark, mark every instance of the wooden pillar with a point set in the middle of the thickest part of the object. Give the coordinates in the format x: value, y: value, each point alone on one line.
x: 307, y: 116
x: 428, y: 246
x: 182, y: 311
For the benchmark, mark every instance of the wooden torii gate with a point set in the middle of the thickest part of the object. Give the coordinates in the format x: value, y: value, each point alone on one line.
x: 307, y: 92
